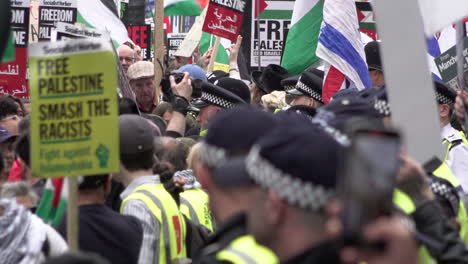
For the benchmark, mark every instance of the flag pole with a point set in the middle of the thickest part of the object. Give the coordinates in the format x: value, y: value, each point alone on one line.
x: 214, y: 54
x: 257, y: 11
x: 72, y: 213
x: 461, y: 34
x: 158, y: 46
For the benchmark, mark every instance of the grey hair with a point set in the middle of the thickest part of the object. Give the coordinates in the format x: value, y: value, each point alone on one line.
x: 15, y: 189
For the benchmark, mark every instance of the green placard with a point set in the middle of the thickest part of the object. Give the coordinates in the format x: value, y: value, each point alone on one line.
x: 74, y: 117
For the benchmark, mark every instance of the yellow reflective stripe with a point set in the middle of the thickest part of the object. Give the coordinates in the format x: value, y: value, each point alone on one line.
x: 403, y: 201
x: 463, y: 220
x: 464, y: 139
x: 276, y: 110
x: 167, y: 242
x: 191, y: 211
x: 251, y: 252
x: 444, y: 172
x: 424, y: 257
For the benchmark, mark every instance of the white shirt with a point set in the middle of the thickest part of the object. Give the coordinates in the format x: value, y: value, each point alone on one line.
x: 149, y: 252
x: 457, y: 158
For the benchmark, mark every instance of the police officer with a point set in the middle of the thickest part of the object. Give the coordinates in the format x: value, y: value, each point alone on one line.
x: 307, y: 91
x: 456, y: 143
x: 374, y: 63
x: 226, y: 93
x: 231, y: 134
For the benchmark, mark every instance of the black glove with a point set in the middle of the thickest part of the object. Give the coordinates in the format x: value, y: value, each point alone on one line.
x: 180, y: 104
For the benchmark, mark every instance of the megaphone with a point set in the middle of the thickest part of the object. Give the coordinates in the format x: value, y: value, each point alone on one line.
x: 5, y: 20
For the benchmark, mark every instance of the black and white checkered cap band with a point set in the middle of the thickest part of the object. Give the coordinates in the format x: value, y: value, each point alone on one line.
x: 444, y: 191
x: 382, y: 107
x: 289, y: 87
x: 302, y: 86
x: 212, y: 156
x: 443, y: 99
x: 214, y: 99
x: 306, y: 195
x: 321, y: 119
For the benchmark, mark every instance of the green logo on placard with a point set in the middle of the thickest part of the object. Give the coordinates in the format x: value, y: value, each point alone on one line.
x: 102, y: 153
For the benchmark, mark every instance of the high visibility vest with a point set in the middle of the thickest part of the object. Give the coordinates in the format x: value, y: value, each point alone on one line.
x: 405, y: 203
x: 457, y: 139
x: 245, y: 250
x: 444, y: 172
x: 164, y: 208
x: 203, y: 133
x: 194, y: 204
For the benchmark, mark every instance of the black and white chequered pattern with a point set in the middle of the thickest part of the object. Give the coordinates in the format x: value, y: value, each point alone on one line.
x: 322, y: 118
x: 382, y: 107
x: 214, y: 99
x: 444, y: 191
x: 297, y: 192
x: 289, y: 87
x: 302, y: 86
x: 212, y: 156
x: 442, y: 99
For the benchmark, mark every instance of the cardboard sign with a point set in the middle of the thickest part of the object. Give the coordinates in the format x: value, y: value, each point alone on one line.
x: 224, y: 18
x: 52, y: 11
x: 74, y: 117
x: 174, y: 40
x: 141, y: 36
x: 269, y: 33
x: 191, y: 41
x: 64, y: 31
x: 447, y: 65
x: 13, y: 75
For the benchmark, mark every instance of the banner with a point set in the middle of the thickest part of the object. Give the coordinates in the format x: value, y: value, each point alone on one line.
x: 141, y: 36
x: 447, y: 65
x: 269, y: 32
x: 224, y: 18
x: 64, y: 31
x: 52, y: 11
x: 13, y: 75
x: 74, y: 116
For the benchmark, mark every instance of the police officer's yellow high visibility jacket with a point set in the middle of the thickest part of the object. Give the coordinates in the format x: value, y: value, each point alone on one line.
x: 194, y: 204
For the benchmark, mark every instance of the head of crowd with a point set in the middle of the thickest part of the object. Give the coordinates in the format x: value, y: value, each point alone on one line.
x: 216, y: 167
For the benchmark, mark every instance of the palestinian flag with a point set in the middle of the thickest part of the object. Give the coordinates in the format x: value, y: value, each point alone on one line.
x: 53, y: 204
x: 302, y: 40
x: 9, y: 54
x: 102, y: 15
x: 222, y: 59
x: 183, y: 7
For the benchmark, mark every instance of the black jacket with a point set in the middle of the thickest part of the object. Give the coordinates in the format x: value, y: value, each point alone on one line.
x: 448, y: 247
x: 324, y: 253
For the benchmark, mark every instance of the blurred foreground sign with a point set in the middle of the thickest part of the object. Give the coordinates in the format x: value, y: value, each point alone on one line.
x: 408, y: 78
x: 74, y: 121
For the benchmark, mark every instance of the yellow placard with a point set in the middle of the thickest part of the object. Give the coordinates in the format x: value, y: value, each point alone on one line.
x: 74, y: 116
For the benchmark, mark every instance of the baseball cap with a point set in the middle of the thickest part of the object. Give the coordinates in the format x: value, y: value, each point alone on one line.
x: 140, y: 69
x: 136, y: 135
x: 196, y: 73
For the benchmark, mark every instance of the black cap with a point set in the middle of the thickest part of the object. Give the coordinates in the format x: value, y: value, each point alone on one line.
x: 377, y: 96
x: 444, y: 94
x: 136, y: 135
x: 269, y: 79
x: 309, y: 84
x: 289, y: 83
x: 339, y: 113
x: 232, y: 173
x: 91, y: 182
x: 304, y: 110
x: 298, y: 161
x: 216, y: 75
x: 216, y: 95
x: 372, y: 50
x: 233, y: 132
x: 237, y: 87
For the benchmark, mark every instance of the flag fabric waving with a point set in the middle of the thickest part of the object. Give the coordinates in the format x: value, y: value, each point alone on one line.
x: 95, y: 14
x: 182, y: 8
x: 301, y: 43
x: 53, y: 202
x: 438, y: 14
x: 341, y: 48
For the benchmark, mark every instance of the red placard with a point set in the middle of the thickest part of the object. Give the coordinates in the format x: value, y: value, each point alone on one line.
x: 13, y: 75
x: 141, y: 36
x: 224, y: 18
